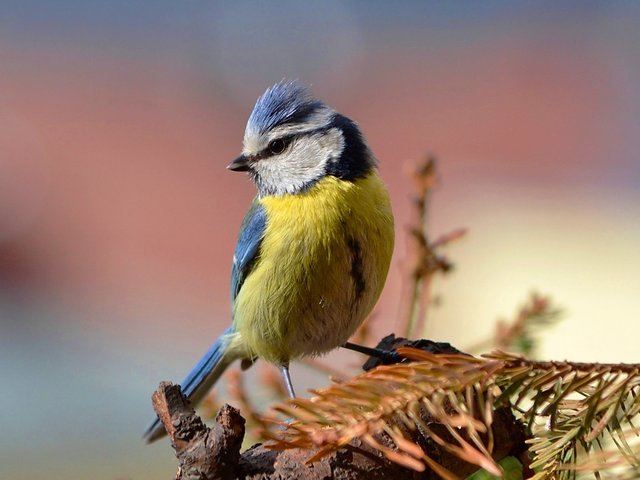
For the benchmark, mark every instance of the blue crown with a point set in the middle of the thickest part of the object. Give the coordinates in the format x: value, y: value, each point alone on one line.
x: 284, y: 103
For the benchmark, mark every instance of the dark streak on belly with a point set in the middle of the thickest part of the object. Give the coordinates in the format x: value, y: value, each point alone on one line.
x: 357, y: 267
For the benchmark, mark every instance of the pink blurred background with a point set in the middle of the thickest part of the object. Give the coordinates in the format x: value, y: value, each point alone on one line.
x: 118, y: 219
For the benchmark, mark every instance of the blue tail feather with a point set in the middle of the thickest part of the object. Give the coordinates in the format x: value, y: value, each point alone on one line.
x: 201, y: 378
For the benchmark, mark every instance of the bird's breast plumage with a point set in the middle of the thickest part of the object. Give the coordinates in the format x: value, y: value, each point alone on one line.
x: 321, y: 266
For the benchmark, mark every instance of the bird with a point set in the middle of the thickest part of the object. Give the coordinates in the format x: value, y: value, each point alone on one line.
x: 315, y: 246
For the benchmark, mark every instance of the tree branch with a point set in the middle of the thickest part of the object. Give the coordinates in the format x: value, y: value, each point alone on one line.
x: 203, y: 452
x: 214, y: 453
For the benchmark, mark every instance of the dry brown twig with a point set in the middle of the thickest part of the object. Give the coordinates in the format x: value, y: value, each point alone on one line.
x: 519, y: 333
x: 425, y: 259
x: 256, y: 421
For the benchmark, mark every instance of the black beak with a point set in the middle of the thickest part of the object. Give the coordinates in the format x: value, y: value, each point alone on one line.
x: 240, y: 164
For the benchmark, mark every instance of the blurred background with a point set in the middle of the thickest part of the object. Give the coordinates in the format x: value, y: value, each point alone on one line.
x: 118, y: 219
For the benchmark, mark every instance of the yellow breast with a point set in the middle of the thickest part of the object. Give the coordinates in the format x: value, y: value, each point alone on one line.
x: 321, y: 267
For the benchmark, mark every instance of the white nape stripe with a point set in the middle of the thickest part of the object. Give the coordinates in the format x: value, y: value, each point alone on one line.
x: 255, y: 142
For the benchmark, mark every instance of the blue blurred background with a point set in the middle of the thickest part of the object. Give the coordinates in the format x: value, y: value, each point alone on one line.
x: 118, y: 218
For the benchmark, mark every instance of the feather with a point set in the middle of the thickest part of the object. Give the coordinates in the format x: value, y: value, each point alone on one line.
x: 286, y: 102
x: 251, y: 233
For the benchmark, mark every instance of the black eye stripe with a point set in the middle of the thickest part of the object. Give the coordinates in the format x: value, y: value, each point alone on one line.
x: 287, y: 139
x: 268, y: 152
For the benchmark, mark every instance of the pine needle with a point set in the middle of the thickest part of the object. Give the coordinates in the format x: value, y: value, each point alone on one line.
x: 569, y: 408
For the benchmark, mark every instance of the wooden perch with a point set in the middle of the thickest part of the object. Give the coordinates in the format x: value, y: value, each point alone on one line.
x: 203, y: 452
x: 214, y: 453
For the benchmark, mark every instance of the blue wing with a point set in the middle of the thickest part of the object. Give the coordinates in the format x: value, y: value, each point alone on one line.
x: 213, y: 364
x: 247, y: 249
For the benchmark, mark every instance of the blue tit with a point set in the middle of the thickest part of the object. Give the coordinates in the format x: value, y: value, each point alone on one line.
x: 315, y: 246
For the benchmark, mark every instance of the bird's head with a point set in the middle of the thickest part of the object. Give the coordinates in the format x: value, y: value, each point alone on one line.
x: 292, y: 140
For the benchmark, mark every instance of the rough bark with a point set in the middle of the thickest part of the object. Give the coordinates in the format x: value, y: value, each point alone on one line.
x: 214, y: 453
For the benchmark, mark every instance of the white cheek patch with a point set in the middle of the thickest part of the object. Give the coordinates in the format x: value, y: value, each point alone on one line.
x: 304, y: 162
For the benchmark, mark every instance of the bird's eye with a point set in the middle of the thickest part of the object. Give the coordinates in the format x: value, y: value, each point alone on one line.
x: 277, y: 146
